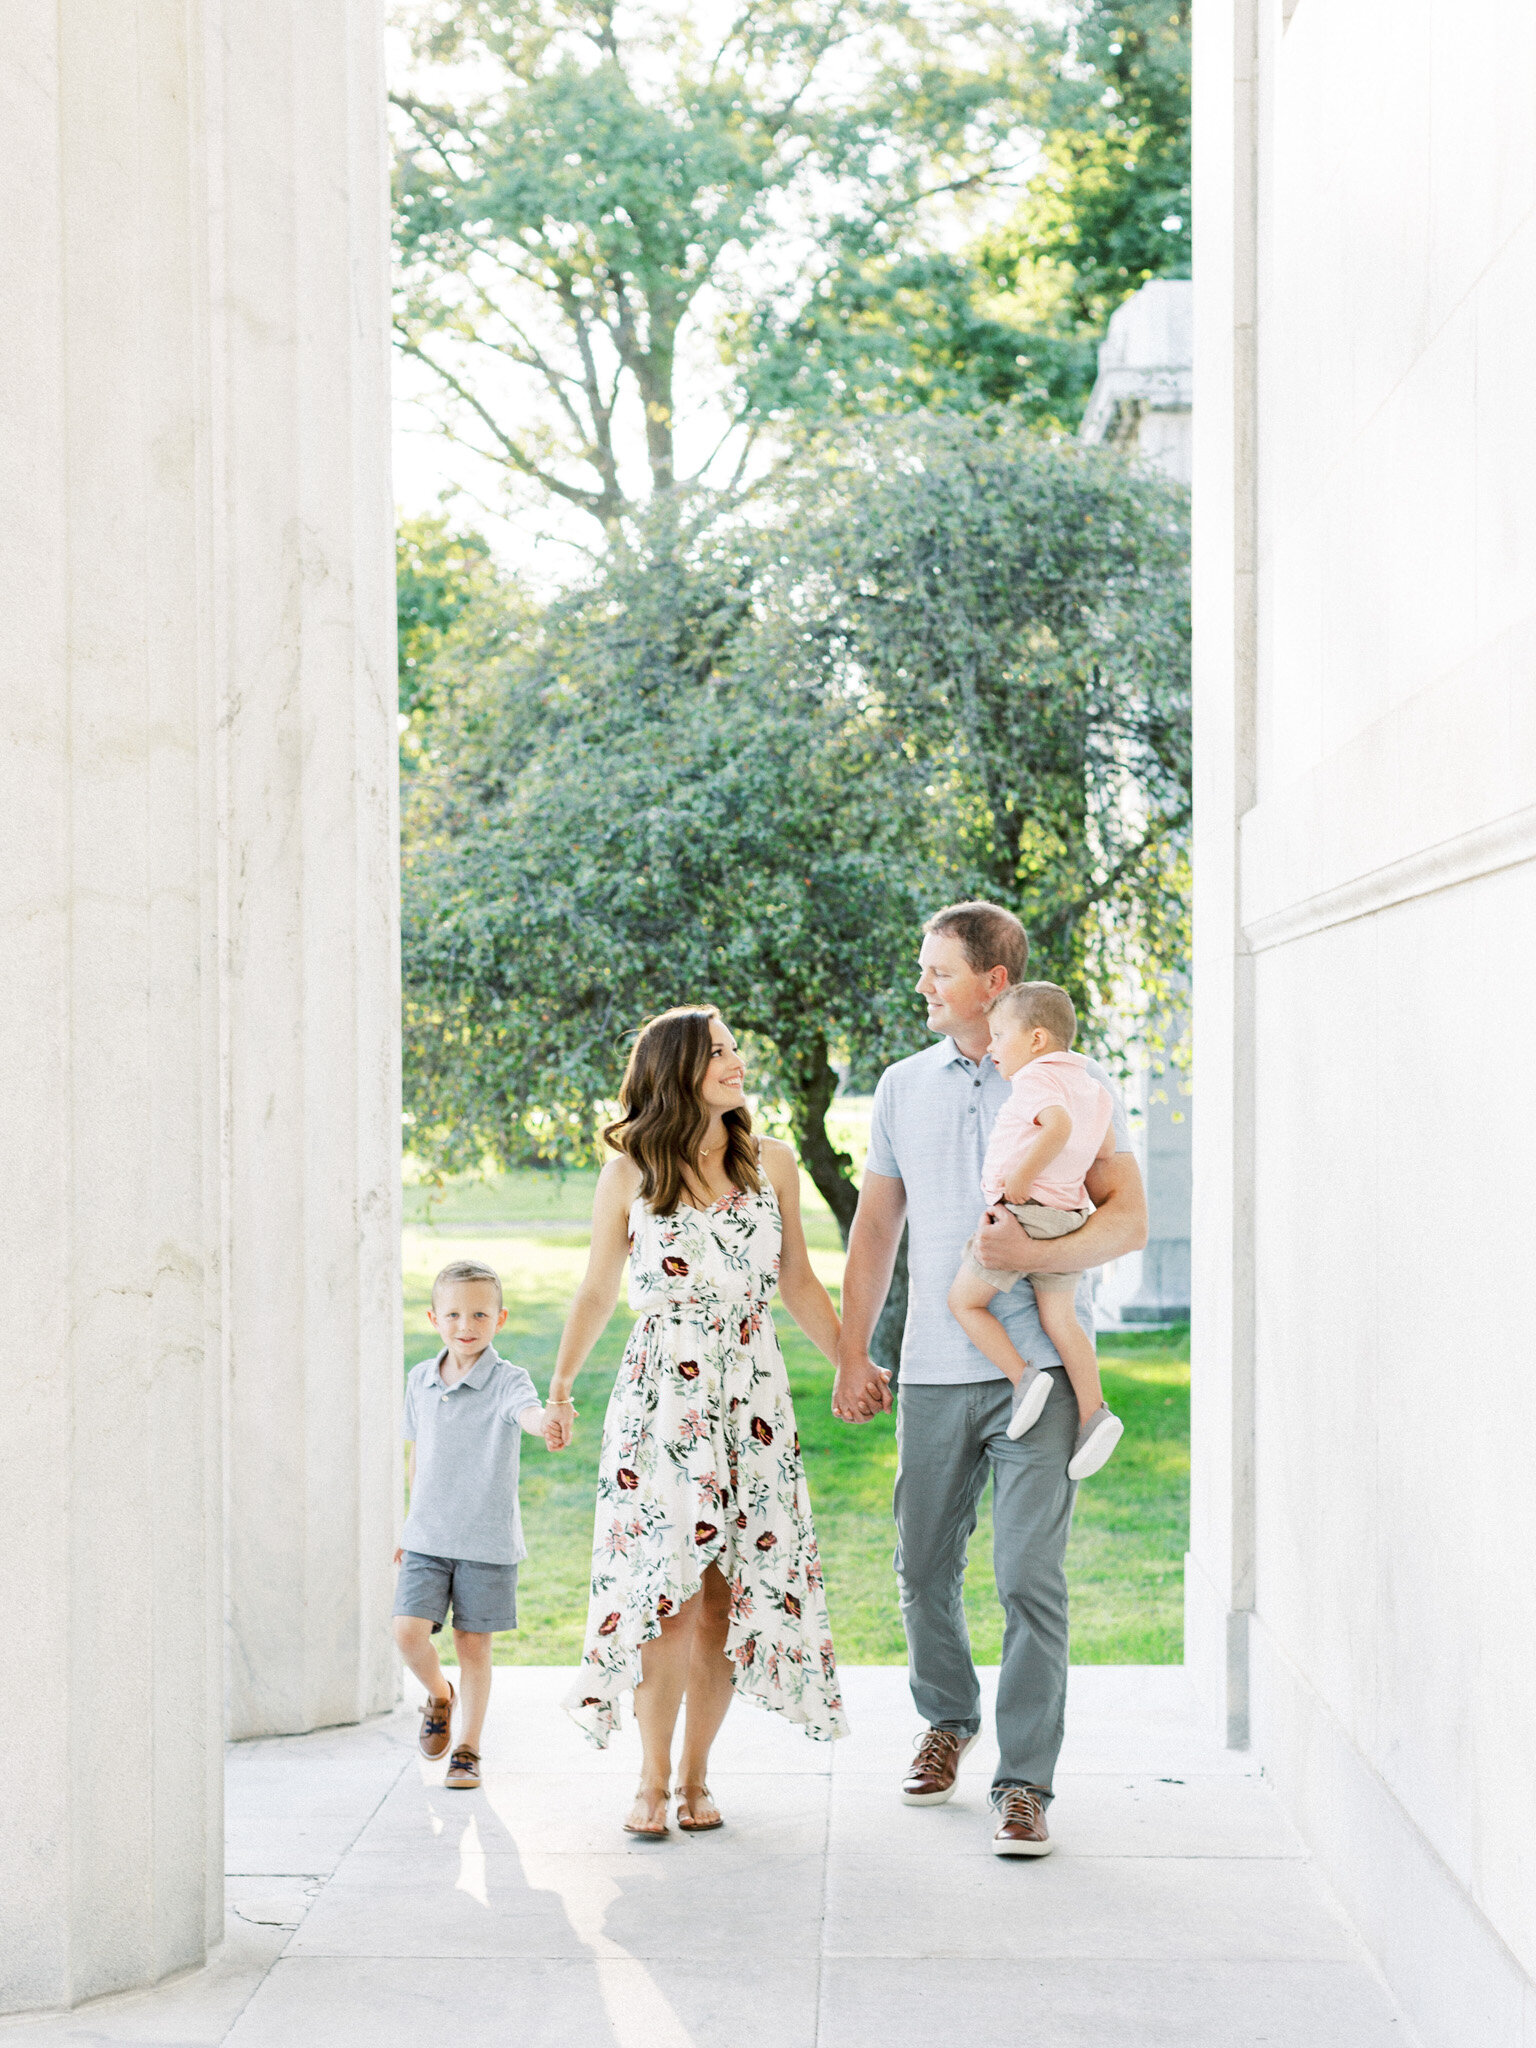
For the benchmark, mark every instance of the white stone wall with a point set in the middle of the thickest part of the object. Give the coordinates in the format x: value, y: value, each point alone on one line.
x: 1362, y: 1584
x: 200, y: 1111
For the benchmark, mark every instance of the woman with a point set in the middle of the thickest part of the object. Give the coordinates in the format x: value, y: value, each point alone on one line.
x: 704, y: 1569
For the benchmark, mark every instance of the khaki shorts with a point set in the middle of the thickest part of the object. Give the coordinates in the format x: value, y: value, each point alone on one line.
x: 1040, y: 1221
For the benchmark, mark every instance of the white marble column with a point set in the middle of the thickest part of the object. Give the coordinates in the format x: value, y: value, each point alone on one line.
x: 306, y: 624
x: 110, y: 1770
x: 1219, y: 1570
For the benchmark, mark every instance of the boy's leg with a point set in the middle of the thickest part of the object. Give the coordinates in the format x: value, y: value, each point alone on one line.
x: 969, y: 1298
x: 474, y: 1650
x: 413, y: 1634
x: 1098, y: 1431
x: 1058, y: 1319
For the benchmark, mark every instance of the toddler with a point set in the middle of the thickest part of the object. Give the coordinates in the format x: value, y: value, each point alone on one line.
x: 1047, y: 1135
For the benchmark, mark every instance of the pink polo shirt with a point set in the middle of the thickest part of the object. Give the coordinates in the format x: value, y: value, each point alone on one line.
x: 1061, y: 1079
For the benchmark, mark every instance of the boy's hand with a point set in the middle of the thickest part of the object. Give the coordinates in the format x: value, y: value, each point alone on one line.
x: 399, y: 1556
x: 559, y: 1424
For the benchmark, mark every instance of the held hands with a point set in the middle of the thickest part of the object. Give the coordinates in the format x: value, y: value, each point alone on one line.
x: 862, y: 1389
x: 559, y: 1424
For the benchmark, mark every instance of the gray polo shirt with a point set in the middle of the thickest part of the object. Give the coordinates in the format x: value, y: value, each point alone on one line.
x: 464, y: 1501
x: 932, y: 1116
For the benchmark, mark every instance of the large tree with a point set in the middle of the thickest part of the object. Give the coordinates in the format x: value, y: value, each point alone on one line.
x: 1019, y: 612
x: 633, y: 214
x: 629, y: 812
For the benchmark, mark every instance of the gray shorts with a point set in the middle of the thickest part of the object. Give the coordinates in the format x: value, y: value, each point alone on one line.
x: 1040, y: 1221
x: 483, y: 1596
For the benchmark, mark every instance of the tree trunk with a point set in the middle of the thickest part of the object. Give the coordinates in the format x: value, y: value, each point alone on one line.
x: 831, y: 1171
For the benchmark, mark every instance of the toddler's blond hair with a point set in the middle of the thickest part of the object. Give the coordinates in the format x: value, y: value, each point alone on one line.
x: 1042, y: 1004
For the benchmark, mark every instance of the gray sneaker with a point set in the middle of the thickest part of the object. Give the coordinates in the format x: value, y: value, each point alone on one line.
x: 1029, y: 1399
x: 1096, y: 1441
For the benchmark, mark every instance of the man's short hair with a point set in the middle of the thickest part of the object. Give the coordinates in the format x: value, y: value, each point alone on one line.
x: 989, y: 936
x: 1039, y: 1003
x: 468, y: 1269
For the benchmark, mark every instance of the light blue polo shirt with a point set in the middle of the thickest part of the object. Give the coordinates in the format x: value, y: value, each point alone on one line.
x: 932, y: 1117
x: 464, y: 1501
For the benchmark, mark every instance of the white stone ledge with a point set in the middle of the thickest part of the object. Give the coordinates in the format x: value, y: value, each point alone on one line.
x: 1485, y: 850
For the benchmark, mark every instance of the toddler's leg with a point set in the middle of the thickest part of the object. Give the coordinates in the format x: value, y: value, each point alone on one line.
x: 968, y: 1299
x: 1098, y: 1430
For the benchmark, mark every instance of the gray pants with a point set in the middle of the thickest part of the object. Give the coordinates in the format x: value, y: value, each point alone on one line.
x: 947, y: 1438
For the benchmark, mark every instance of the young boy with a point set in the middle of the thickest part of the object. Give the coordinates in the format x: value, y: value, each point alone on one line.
x: 463, y: 1537
x: 1047, y: 1135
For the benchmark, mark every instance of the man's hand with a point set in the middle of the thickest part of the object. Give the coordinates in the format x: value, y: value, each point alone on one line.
x: 862, y: 1389
x: 399, y: 1556
x: 1004, y: 1245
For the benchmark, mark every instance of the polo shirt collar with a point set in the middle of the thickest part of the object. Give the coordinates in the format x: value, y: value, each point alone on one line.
x: 954, y: 1057
x: 478, y: 1374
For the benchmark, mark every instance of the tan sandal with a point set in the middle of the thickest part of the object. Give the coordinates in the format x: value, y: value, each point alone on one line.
x: 649, y: 1834
x: 685, y: 1819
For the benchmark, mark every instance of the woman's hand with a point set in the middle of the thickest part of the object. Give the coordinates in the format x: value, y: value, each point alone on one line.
x: 862, y: 1389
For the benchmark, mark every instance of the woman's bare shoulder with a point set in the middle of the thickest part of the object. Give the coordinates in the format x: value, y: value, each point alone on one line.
x: 778, y: 1159
x: 619, y: 1181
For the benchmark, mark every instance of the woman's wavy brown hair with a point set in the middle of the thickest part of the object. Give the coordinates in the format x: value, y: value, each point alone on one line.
x: 663, y: 1119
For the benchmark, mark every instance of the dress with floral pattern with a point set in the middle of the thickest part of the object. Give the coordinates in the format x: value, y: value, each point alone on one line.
x: 701, y: 1465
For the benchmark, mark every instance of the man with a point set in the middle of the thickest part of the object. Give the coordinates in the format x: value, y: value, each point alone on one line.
x: 929, y: 1130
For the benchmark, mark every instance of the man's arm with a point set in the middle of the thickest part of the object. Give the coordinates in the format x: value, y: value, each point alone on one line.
x: 862, y: 1389
x: 1118, y: 1224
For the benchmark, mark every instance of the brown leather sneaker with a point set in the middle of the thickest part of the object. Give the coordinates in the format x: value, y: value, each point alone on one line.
x: 463, y: 1770
x: 930, y: 1778
x: 1021, y: 1828
x: 436, y: 1722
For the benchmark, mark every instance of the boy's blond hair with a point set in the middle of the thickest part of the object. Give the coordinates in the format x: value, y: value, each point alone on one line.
x: 1042, y: 1005
x: 468, y: 1269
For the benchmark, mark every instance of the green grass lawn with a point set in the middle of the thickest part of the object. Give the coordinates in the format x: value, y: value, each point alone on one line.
x: 1126, y: 1555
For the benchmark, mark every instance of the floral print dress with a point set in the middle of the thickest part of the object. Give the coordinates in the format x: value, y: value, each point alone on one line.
x: 701, y: 1465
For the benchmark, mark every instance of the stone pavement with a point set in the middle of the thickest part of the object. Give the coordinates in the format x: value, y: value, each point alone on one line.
x: 368, y: 1908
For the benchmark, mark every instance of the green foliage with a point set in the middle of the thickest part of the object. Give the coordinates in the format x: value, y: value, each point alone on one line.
x: 957, y: 664
x: 699, y: 196
x: 1016, y: 613
x: 646, y: 816
x: 1110, y: 207
x: 456, y: 611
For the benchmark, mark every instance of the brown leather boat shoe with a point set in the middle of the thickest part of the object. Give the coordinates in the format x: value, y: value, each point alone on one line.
x: 1021, y: 1828
x: 436, y: 1722
x: 930, y: 1778
x: 463, y: 1770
